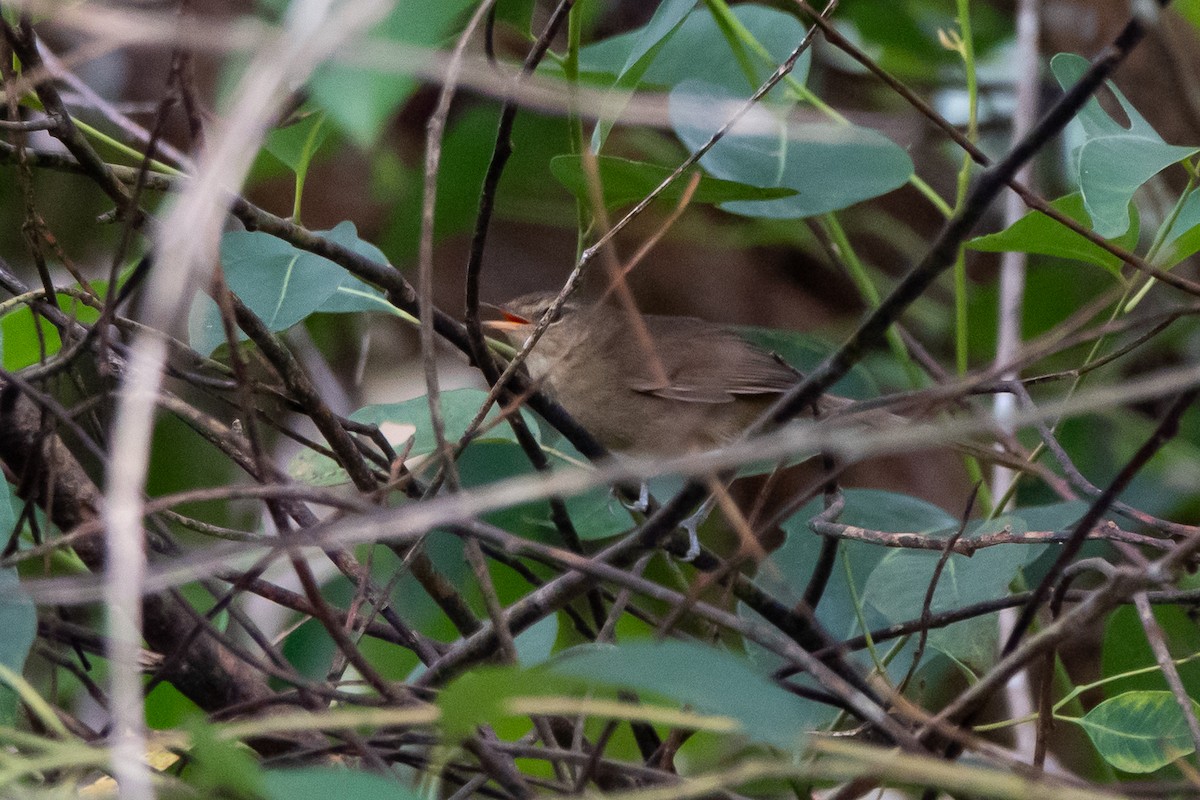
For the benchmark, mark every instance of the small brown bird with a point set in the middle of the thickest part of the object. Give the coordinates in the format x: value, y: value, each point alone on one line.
x: 680, y: 385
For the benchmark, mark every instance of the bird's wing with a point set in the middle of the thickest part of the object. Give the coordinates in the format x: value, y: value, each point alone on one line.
x: 718, y: 366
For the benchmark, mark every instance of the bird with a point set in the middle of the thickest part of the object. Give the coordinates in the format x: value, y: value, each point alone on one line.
x: 666, y: 387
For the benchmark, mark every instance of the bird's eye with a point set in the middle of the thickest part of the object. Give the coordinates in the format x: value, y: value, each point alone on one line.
x: 555, y: 317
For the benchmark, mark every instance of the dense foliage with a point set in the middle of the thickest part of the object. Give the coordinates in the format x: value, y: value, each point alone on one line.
x: 284, y: 523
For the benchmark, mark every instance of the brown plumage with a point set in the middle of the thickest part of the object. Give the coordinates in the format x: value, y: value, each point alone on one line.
x: 689, y: 384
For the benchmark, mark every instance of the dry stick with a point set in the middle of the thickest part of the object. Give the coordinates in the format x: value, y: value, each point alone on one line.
x: 477, y: 348
x: 24, y: 44
x: 500, y: 769
x: 1158, y: 645
x: 348, y: 454
x: 1163, y: 433
x: 584, y: 572
x: 25, y: 176
x: 1080, y: 482
x: 435, y: 128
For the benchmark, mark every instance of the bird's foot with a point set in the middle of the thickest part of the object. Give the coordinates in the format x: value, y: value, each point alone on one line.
x: 690, y: 525
x: 639, y: 506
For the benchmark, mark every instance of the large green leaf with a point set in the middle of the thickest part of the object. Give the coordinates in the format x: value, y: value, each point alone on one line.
x: 1139, y: 731
x: 830, y: 166
x: 626, y: 181
x: 897, y: 588
x: 787, y: 571
x: 700, y: 49
x: 707, y: 679
x: 283, y: 284
x: 1114, y: 160
x: 1037, y: 233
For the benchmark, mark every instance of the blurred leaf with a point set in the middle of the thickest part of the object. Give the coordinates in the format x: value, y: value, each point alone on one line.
x: 627, y: 181
x: 1139, y: 731
x: 18, y: 621
x: 1183, y: 238
x: 700, y: 49
x: 517, y: 13
x: 1114, y: 161
x: 361, y: 100
x: 647, y: 43
x: 527, y: 192
x: 1037, y: 233
x: 24, y: 338
x: 296, y: 144
x: 167, y: 707
x: 830, y: 166
x: 218, y: 767
x: 707, y: 679
x: 482, y: 695
x: 321, y: 783
x: 283, y: 284
x: 1125, y: 650
x: 1189, y: 10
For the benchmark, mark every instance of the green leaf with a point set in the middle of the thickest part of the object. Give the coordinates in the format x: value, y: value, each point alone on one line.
x: 1126, y: 650
x: 647, y: 44
x: 283, y: 284
x: 1037, y: 233
x: 805, y: 352
x: 321, y: 783
x: 1113, y: 161
x: 26, y: 339
x: 18, y: 621
x: 1183, y: 239
x: 706, y: 679
x: 896, y: 589
x: 361, y: 100
x: 626, y: 181
x: 517, y: 13
x: 295, y: 145
x: 482, y: 695
x: 1139, y: 731
x: 218, y: 767
x: 405, y: 421
x: 830, y: 166
x: 699, y: 49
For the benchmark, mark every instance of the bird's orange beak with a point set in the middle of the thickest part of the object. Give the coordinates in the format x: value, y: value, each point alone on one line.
x: 510, y: 322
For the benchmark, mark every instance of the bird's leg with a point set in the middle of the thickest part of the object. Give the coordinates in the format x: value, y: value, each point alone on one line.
x: 641, y: 505
x: 691, y: 524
